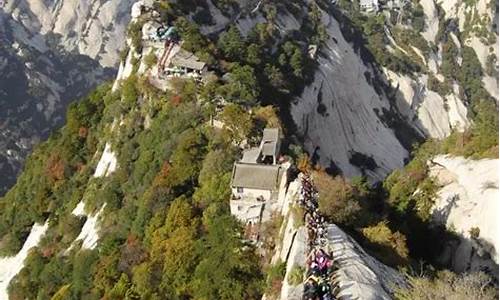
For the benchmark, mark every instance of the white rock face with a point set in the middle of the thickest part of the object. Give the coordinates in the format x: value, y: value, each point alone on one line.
x: 89, y: 235
x: 53, y: 52
x: 457, y: 113
x: 90, y: 230
x: 360, y: 276
x: 426, y: 110
x: 79, y: 209
x: 432, y: 20
x: 107, y: 163
x: 459, y: 9
x: 482, y: 51
x: 94, y: 28
x: 469, y: 198
x: 337, y: 112
x: 10, y: 266
x: 297, y: 257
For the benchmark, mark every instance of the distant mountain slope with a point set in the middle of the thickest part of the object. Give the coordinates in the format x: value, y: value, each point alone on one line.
x: 135, y: 187
x: 51, y: 53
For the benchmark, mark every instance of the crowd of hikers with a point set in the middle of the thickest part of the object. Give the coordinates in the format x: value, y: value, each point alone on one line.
x: 320, y: 266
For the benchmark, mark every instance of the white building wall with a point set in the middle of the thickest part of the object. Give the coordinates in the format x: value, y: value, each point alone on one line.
x: 252, y: 193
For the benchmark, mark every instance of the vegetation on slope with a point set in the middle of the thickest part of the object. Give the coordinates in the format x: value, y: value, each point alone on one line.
x: 166, y: 230
x: 447, y: 285
x: 393, y: 220
x: 47, y: 184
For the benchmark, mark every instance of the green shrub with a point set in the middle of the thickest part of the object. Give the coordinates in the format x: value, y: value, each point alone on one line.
x: 150, y: 59
x: 424, y: 198
x: 237, y: 122
x: 275, y: 275
x: 134, y: 32
x: 491, y: 63
x: 339, y: 200
x: 296, y: 275
x: 129, y: 91
x: 480, y: 141
x: 442, y: 88
x: 232, y: 44
x: 418, y: 17
x: 389, y: 246
x: 242, y: 87
x: 292, y: 58
x: 123, y: 54
x: 448, y: 285
x: 474, y: 232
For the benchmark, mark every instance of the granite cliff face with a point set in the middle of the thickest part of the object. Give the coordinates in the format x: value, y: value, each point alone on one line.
x: 341, y: 113
x: 467, y: 204
x: 354, y: 117
x: 359, y: 120
x: 51, y: 53
x: 91, y: 28
x: 348, y: 116
x: 359, y: 275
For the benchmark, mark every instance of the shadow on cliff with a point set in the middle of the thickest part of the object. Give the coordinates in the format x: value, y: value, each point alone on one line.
x: 433, y: 243
x: 391, y: 117
x: 33, y: 108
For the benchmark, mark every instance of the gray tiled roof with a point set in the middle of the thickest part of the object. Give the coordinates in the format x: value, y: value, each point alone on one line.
x: 251, y: 155
x: 270, y: 140
x: 256, y: 176
x: 186, y: 59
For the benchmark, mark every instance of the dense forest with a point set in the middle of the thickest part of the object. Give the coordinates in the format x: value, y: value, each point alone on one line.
x: 166, y: 230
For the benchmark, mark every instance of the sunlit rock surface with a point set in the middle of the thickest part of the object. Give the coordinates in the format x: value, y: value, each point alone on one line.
x: 51, y: 53
x: 468, y: 199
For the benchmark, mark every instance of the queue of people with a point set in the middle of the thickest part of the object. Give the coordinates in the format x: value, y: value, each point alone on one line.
x: 320, y: 263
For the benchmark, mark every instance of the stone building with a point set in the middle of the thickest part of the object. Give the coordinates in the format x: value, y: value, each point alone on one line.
x: 256, y: 178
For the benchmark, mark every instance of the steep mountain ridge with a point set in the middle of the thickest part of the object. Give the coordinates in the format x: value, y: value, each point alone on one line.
x: 340, y: 114
x: 137, y: 218
x: 357, y: 273
x: 51, y: 53
x: 398, y: 109
x: 357, y: 119
x: 94, y: 28
x: 91, y: 232
x: 347, y: 121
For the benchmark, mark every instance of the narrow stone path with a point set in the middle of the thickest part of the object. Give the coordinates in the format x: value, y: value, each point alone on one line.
x: 320, y: 263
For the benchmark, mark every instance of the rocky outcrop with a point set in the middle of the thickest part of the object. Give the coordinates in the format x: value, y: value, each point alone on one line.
x: 342, y: 115
x: 433, y: 115
x: 91, y: 28
x: 349, y: 117
x: 51, y: 53
x: 349, y: 120
x: 10, y: 266
x: 353, y: 119
x: 481, y: 16
x: 358, y: 275
x: 467, y: 204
